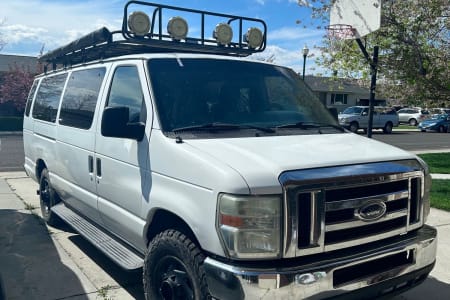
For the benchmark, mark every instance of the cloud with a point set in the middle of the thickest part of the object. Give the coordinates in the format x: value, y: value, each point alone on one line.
x: 293, y: 33
x: 260, y: 2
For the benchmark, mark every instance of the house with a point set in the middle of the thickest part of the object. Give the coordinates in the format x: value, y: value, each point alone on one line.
x: 8, y: 61
x: 340, y: 92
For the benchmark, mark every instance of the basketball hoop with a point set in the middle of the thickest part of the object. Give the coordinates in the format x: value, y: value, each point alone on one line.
x: 337, y: 34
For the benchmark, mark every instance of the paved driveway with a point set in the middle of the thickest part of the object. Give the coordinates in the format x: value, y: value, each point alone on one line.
x: 42, y: 262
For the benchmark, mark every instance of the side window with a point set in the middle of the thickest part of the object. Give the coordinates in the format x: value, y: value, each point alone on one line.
x: 30, y: 97
x: 48, y: 96
x: 80, y: 98
x: 126, y: 91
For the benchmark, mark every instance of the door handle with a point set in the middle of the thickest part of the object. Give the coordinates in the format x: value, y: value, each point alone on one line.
x: 91, y: 164
x: 99, y: 167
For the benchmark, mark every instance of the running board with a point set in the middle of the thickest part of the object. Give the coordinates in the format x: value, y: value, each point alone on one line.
x: 115, y: 250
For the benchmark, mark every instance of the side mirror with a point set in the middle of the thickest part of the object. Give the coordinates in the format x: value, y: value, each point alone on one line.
x: 333, y: 111
x: 115, y: 124
x: 364, y: 113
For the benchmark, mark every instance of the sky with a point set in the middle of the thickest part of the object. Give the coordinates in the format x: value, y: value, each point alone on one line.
x: 32, y: 25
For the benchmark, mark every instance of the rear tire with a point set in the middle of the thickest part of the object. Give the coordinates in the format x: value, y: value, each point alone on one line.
x: 388, y: 128
x: 48, y: 198
x: 412, y: 122
x: 173, y: 268
x: 441, y: 129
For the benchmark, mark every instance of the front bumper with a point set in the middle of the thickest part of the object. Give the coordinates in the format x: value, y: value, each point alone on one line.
x: 369, y: 271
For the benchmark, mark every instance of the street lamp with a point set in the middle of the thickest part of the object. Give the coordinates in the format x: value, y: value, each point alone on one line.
x: 305, y: 52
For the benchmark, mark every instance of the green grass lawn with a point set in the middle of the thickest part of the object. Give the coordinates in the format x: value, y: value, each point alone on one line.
x: 440, y: 194
x: 405, y: 126
x: 438, y: 162
x: 440, y: 189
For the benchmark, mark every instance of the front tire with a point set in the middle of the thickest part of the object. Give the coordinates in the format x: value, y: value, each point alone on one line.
x: 354, y: 127
x: 48, y: 198
x: 173, y: 268
x: 441, y: 129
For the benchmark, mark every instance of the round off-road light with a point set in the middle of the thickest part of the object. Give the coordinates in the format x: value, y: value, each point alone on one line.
x: 254, y: 37
x: 223, y: 34
x: 139, y: 23
x: 177, y: 28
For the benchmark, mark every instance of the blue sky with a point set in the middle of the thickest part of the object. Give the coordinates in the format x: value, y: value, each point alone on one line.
x: 30, y: 25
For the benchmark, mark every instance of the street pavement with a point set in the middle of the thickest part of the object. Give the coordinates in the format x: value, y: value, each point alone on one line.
x: 38, y: 261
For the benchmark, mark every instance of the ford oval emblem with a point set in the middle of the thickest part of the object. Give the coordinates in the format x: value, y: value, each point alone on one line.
x: 371, y: 211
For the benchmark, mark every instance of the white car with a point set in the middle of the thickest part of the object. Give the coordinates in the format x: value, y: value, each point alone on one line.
x: 412, y: 116
x: 221, y: 177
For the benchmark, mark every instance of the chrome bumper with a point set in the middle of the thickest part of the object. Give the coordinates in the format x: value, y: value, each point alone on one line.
x: 388, y: 267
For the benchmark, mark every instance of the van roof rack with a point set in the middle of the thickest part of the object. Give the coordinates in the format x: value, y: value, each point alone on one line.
x: 140, y: 34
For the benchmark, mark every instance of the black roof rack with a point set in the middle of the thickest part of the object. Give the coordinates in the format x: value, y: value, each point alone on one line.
x: 103, y: 43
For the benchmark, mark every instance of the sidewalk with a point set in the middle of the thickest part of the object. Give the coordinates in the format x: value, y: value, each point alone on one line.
x: 43, y: 262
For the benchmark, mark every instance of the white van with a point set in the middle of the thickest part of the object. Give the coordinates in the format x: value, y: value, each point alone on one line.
x: 222, y: 177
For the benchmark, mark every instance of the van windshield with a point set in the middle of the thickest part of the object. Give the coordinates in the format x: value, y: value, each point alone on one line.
x: 229, y: 94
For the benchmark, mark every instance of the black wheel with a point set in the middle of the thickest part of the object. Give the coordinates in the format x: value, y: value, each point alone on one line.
x: 173, y: 268
x: 388, y: 128
x: 354, y: 127
x: 48, y: 198
x: 412, y: 122
x: 441, y: 129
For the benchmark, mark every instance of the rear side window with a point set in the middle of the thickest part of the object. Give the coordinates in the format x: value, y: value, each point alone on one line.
x: 80, y: 98
x: 30, y: 98
x: 48, y: 96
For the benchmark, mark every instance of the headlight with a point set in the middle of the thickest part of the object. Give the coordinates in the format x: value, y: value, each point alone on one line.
x: 249, y: 226
x: 426, y: 189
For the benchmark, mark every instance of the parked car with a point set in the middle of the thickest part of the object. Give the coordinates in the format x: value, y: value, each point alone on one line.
x: 357, y: 117
x: 412, y: 116
x: 439, y: 111
x: 439, y: 123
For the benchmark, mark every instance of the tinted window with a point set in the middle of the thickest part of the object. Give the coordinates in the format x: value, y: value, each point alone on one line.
x: 80, y: 98
x: 195, y: 92
x: 126, y: 91
x: 30, y: 98
x: 48, y: 97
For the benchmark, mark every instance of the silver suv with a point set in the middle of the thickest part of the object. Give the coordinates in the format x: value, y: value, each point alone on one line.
x: 412, y: 116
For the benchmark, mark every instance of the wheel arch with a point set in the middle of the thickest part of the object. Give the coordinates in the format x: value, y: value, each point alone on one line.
x: 162, y: 220
x: 40, y: 166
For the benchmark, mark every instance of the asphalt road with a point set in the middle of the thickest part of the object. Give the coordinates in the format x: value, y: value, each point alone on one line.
x: 12, y: 155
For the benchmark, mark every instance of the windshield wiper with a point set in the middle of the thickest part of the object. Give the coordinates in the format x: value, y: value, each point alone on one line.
x: 309, y: 125
x: 222, y: 126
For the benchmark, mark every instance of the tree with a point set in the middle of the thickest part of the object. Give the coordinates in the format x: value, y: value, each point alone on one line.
x: 15, y: 87
x: 414, y: 61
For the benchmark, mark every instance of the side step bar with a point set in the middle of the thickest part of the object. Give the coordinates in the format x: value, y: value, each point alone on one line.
x: 115, y: 250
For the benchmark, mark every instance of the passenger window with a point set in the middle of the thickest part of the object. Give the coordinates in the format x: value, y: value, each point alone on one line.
x: 48, y: 96
x: 30, y: 97
x: 80, y: 98
x: 126, y: 91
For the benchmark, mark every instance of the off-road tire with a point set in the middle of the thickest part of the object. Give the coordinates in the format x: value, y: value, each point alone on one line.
x: 48, y: 198
x: 172, y: 258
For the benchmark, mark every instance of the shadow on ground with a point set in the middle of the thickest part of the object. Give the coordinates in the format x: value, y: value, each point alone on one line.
x: 30, y: 266
x: 131, y: 281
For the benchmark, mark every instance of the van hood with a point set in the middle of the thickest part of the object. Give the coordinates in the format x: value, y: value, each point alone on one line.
x: 261, y: 160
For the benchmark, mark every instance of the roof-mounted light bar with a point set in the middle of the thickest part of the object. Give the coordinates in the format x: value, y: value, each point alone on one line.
x: 143, y: 32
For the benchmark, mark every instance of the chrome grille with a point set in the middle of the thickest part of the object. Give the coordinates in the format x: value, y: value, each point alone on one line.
x: 333, y: 208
